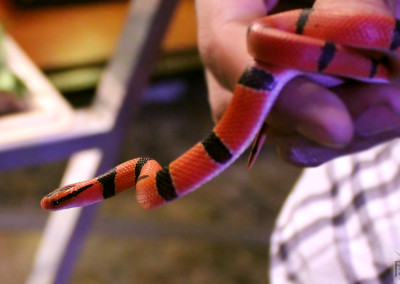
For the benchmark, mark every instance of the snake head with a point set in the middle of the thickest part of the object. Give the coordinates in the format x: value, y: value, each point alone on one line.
x: 72, y: 195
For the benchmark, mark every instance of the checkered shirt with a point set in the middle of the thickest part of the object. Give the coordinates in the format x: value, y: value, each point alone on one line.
x: 341, y: 223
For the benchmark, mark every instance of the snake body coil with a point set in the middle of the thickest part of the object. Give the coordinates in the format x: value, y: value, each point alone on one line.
x: 313, y: 41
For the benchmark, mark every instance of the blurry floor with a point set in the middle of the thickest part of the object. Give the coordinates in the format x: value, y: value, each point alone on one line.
x: 218, y: 234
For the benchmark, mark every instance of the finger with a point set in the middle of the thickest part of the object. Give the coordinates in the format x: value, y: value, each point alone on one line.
x: 299, y: 151
x: 312, y: 111
x: 375, y: 108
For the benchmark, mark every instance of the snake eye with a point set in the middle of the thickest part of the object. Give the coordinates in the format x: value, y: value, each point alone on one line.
x: 55, y: 202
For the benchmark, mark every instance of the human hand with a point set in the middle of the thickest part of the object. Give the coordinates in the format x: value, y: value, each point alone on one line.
x: 309, y: 124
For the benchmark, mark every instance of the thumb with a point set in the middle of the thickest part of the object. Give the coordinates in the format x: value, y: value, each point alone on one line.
x: 218, y: 96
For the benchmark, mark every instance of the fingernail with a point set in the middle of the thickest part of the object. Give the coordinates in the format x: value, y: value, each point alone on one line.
x: 377, y: 119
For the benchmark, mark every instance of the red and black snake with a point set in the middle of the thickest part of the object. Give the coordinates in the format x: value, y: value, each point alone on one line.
x: 354, y: 46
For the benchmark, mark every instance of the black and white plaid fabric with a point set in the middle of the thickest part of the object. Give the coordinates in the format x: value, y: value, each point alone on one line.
x: 341, y: 223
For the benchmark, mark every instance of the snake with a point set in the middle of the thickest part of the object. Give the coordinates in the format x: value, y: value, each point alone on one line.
x: 325, y: 45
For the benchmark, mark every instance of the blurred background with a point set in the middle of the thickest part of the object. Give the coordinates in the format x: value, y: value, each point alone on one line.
x: 218, y: 234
